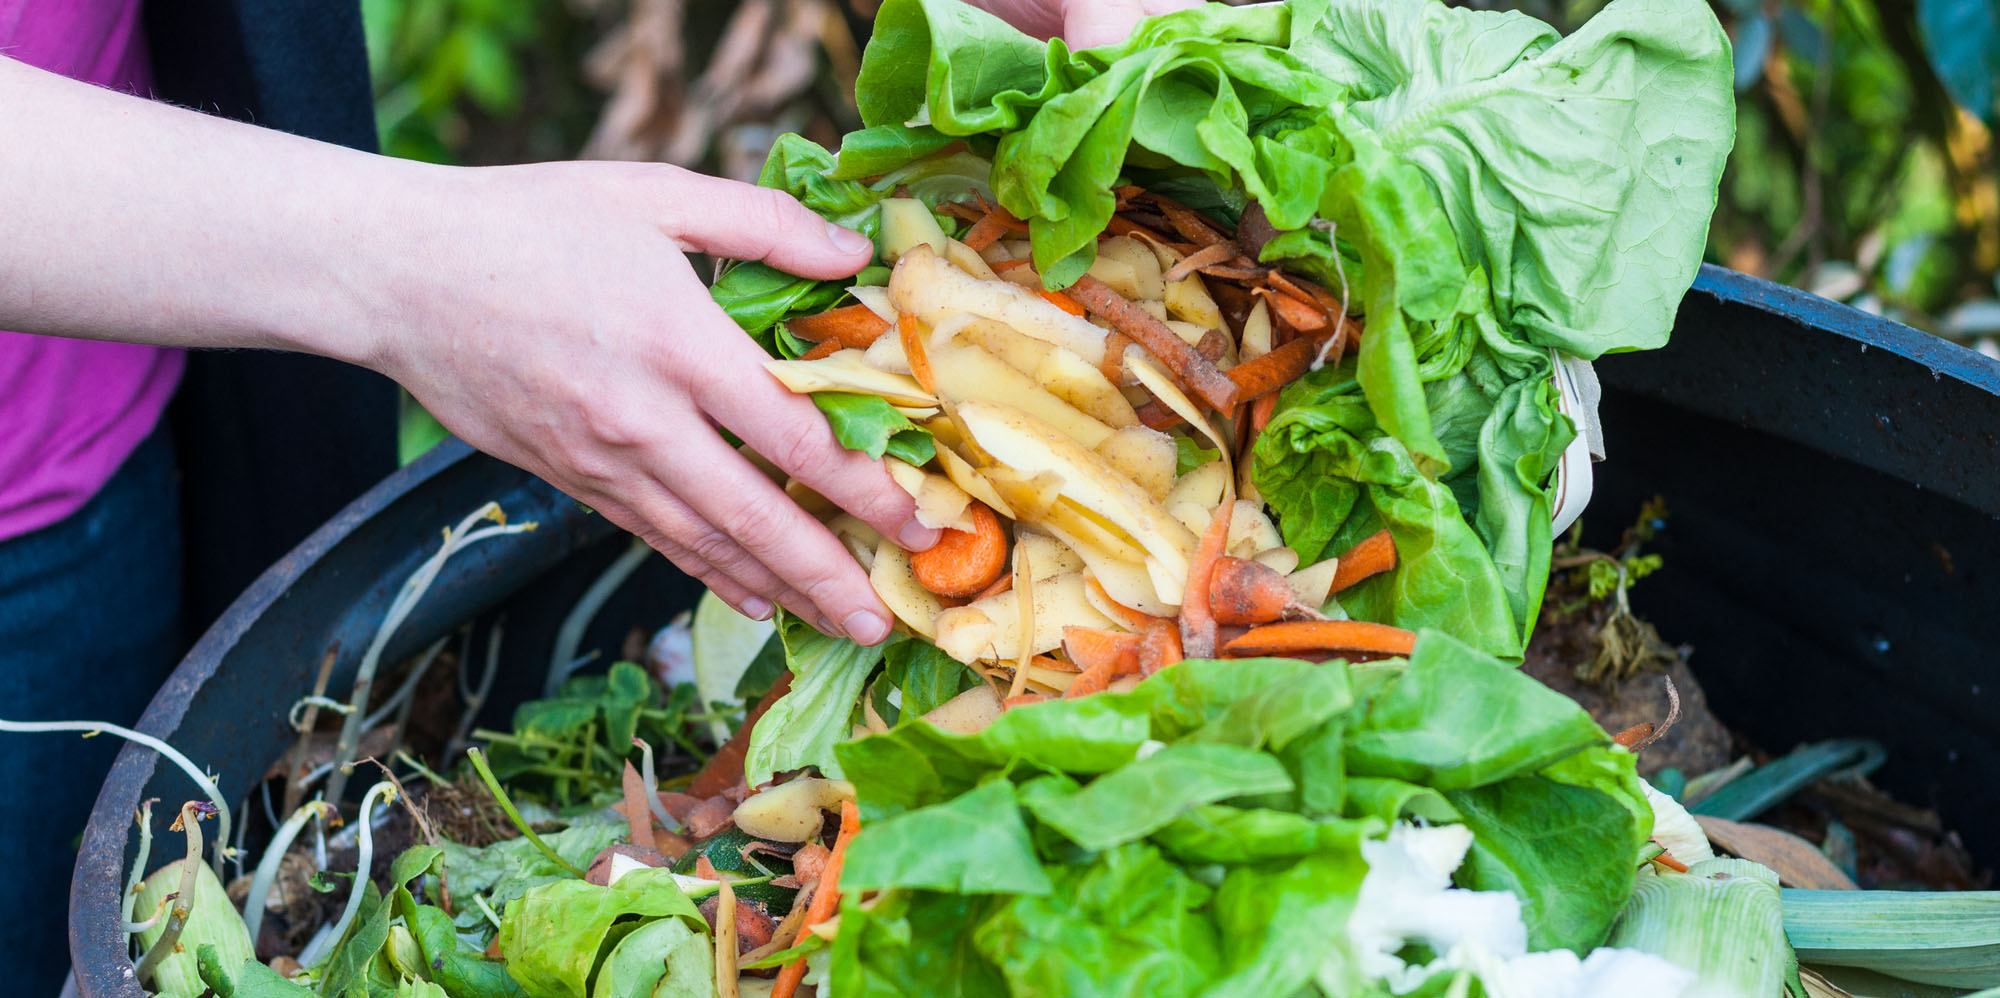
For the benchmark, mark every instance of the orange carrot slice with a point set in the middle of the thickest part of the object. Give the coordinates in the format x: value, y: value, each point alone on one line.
x: 1371, y: 557
x: 962, y: 563
x: 852, y: 325
x: 1304, y: 637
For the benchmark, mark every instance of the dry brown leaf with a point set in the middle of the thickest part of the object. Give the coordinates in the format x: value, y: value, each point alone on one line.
x: 1797, y: 863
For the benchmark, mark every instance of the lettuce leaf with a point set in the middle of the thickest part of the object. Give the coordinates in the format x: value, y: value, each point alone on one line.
x: 869, y: 424
x: 803, y: 727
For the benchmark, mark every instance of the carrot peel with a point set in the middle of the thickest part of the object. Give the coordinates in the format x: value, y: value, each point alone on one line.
x: 1371, y: 557
x: 1295, y: 638
x: 1198, y: 625
x: 850, y: 325
x: 913, y: 348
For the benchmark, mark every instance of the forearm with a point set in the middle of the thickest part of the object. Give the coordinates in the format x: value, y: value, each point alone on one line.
x: 127, y: 219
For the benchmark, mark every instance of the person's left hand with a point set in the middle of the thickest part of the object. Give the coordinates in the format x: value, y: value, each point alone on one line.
x: 1081, y: 23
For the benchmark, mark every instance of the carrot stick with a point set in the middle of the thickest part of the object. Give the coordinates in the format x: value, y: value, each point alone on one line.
x: 1186, y: 363
x: 1128, y: 618
x: 853, y: 325
x: 1667, y: 860
x: 1294, y: 312
x: 1261, y: 412
x: 985, y: 232
x: 1371, y: 557
x: 1197, y: 621
x: 1159, y: 647
x: 826, y: 899
x: 913, y: 348
x: 638, y: 813
x: 1091, y: 649
x: 1007, y: 218
x: 1207, y: 256
x: 724, y: 769
x: 1301, y: 637
x: 1063, y: 301
x: 822, y: 350
x: 1257, y: 378
x: 1249, y: 592
x: 964, y: 562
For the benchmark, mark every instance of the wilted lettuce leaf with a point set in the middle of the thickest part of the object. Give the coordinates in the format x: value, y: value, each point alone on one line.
x: 871, y: 425
x: 802, y: 728
x: 554, y: 935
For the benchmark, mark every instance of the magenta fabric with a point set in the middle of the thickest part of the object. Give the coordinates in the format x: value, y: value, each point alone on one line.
x: 71, y: 411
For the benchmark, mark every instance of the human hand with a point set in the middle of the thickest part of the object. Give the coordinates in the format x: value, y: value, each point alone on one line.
x: 1081, y: 23
x: 557, y: 325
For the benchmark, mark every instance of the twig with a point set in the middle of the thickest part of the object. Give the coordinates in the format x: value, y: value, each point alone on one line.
x: 295, y: 790
x: 401, y: 698
x: 1673, y: 714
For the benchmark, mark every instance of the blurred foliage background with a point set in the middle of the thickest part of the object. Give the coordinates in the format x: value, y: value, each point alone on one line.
x: 1864, y: 168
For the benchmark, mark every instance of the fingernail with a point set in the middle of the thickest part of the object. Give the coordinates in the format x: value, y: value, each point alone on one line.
x: 866, y: 627
x: 916, y: 537
x: 757, y: 609
x: 846, y: 240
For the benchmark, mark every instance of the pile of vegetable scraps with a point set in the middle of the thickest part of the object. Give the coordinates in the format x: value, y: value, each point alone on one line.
x: 1223, y: 357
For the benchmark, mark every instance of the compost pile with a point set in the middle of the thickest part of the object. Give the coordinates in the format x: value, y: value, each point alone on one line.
x: 1226, y: 359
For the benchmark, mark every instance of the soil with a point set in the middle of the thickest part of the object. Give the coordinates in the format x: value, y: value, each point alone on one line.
x: 1562, y: 652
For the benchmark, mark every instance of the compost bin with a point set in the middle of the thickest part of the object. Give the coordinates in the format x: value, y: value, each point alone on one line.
x: 1830, y: 559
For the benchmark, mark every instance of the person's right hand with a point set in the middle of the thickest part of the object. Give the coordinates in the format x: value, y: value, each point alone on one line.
x: 551, y: 319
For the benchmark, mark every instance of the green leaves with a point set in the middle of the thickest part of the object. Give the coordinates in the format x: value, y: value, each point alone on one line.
x: 1153, y: 791
x: 1201, y: 834
x: 802, y: 728
x: 1565, y: 851
x: 556, y: 935
x: 975, y: 844
x: 869, y: 424
x: 926, y: 675
x: 1457, y: 720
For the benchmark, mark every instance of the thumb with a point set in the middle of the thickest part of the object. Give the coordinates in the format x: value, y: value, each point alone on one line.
x: 1091, y: 23
x: 744, y: 222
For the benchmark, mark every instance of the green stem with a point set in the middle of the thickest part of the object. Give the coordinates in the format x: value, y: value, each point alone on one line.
x: 506, y: 804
